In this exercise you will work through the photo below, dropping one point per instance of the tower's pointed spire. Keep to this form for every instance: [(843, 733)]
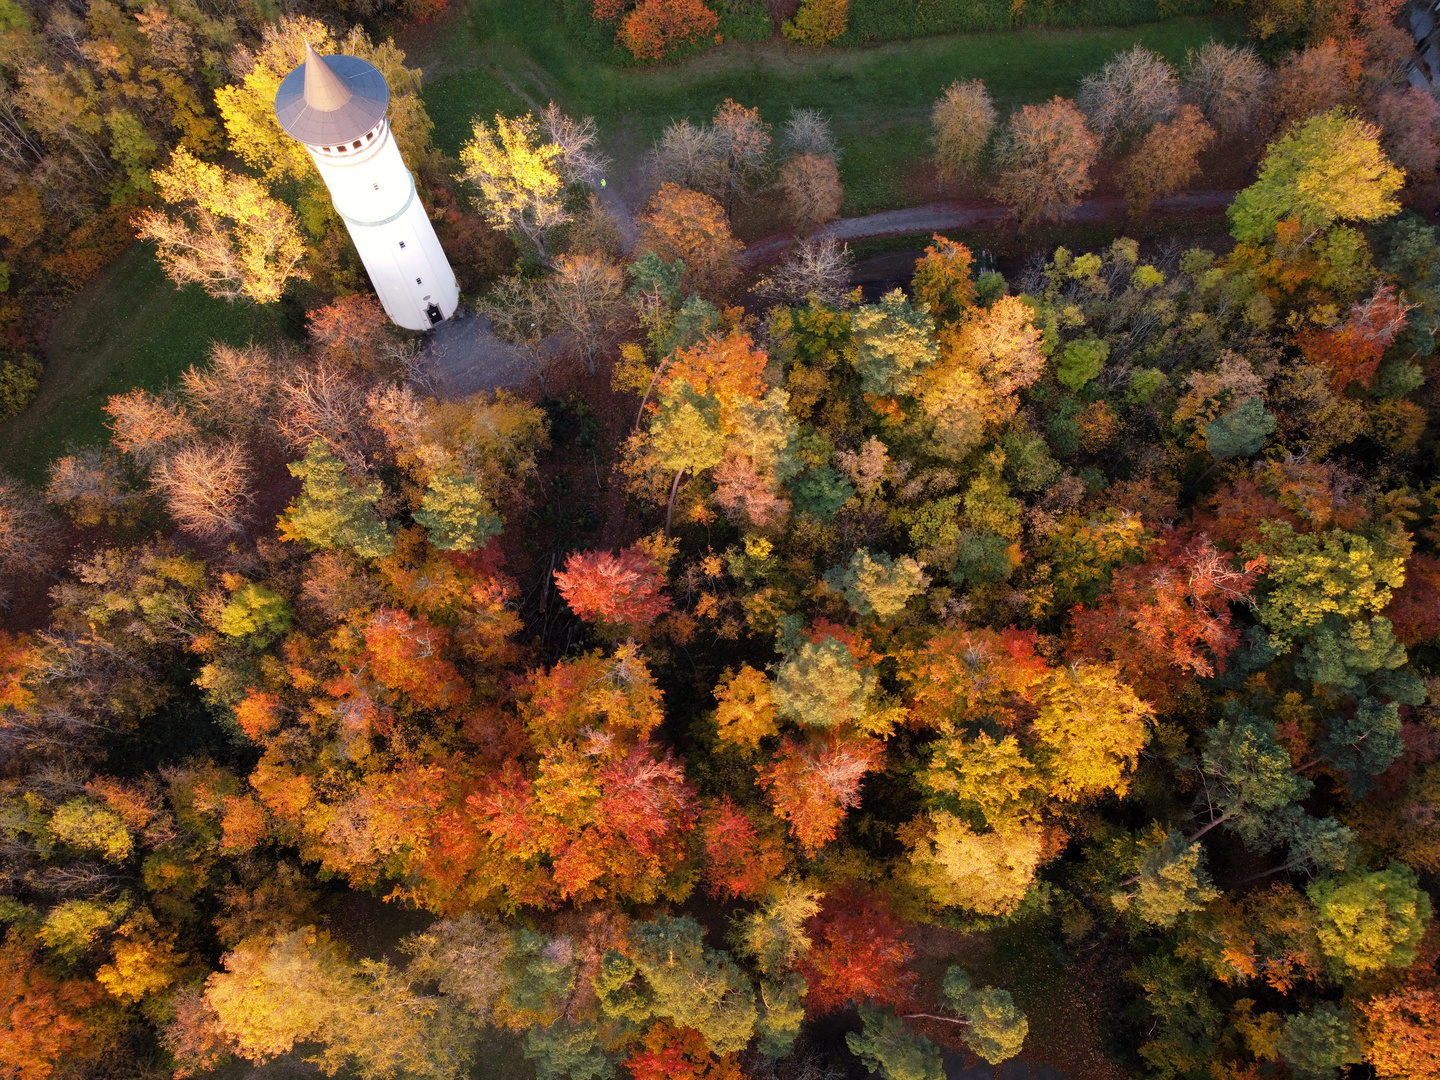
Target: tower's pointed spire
[(325, 91)]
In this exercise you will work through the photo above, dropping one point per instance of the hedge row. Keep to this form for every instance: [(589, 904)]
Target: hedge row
[(892, 20)]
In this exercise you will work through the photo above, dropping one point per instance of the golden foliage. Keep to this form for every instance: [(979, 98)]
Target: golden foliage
[(686, 225), (518, 177), (987, 873), (983, 362), (963, 120), (248, 107), (223, 232), (746, 713)]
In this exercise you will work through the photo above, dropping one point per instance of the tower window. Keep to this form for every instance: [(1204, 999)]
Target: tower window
[(325, 148), (402, 243), (369, 135), (340, 149), (377, 187), (417, 281), (357, 144)]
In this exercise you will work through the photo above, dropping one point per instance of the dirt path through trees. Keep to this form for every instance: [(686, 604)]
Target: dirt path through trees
[(941, 216)]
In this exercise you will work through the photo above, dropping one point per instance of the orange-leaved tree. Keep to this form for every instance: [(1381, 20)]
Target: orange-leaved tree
[(942, 280), (1403, 1033), (657, 28), (686, 225), (812, 782), (620, 588), (1351, 351), (43, 1016), (1044, 160), (406, 655), (1169, 617), (589, 825)]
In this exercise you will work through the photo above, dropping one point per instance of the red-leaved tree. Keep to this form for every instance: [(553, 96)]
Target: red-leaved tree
[(1414, 610), (405, 655), (680, 1053), (811, 784), (1351, 352), (858, 953), (1167, 617), (623, 588), (740, 861)]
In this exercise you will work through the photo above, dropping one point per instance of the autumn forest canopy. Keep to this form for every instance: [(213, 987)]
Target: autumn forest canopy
[(723, 700)]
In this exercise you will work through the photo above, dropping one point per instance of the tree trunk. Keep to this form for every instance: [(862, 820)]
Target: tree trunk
[(670, 506), (538, 359)]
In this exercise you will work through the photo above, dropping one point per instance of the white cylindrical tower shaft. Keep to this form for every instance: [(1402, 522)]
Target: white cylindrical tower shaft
[(336, 106)]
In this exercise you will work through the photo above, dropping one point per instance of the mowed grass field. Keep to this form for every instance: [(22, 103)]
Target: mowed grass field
[(129, 327), (503, 56), (132, 328)]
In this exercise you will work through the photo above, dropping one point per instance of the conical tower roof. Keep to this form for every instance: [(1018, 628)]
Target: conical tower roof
[(331, 100), (325, 91)]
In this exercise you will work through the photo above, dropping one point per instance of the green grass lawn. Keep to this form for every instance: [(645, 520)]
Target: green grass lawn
[(500, 55), (130, 327)]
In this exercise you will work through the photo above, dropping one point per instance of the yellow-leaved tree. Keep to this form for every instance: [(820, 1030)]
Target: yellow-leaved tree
[(248, 107), (518, 178), (1021, 743), (222, 231), (983, 363), (747, 712)]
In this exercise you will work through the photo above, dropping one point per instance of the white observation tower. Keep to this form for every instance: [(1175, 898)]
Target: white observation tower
[(336, 106)]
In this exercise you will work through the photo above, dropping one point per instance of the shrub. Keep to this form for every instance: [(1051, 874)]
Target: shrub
[(1227, 83), (659, 27), (19, 383), (812, 190), (963, 120), (818, 22), (1044, 161), (808, 132)]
